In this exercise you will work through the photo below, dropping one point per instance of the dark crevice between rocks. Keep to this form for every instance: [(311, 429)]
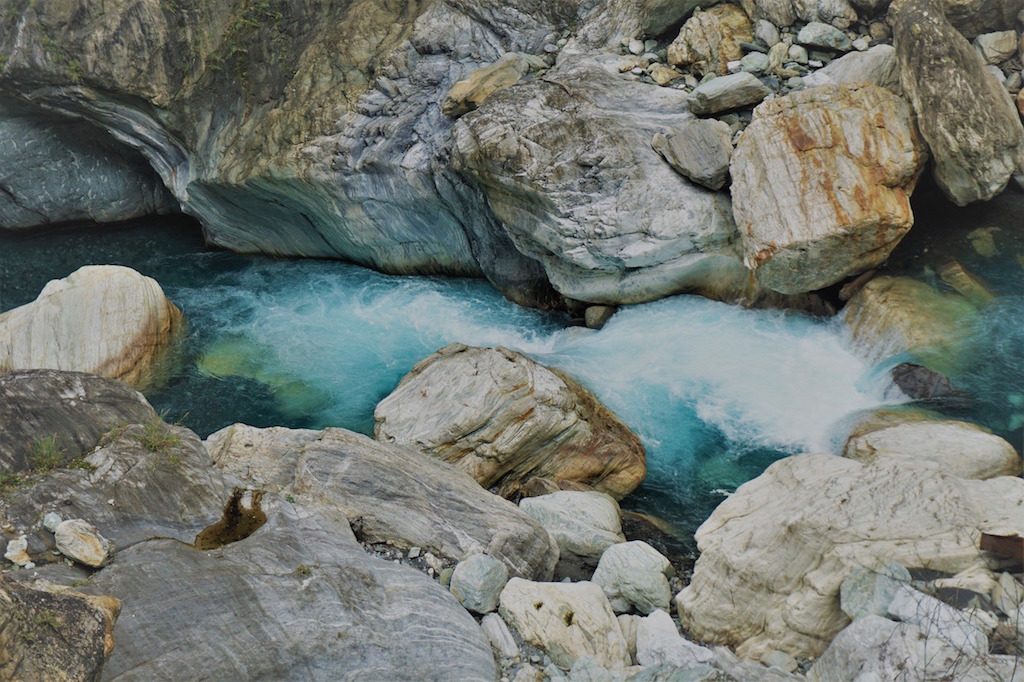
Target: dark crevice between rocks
[(237, 523)]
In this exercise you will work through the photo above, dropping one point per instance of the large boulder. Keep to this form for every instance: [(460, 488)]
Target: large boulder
[(821, 184), (305, 129), (958, 448), (567, 167), (507, 420), (473, 90), (70, 410), (297, 599), (101, 319), (709, 40), (389, 494), (584, 524), (966, 116), (52, 634), (775, 554), (58, 170)]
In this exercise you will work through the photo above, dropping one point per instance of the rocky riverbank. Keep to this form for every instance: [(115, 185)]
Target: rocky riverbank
[(582, 157)]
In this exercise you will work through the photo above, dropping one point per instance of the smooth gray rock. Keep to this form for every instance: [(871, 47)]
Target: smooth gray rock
[(766, 32), (566, 166), (968, 120), (299, 597), (725, 93), (477, 582), (587, 669), (634, 574), (388, 493), (74, 409), (58, 170), (583, 524), (699, 150), (869, 593), (817, 34), (877, 66), (755, 63)]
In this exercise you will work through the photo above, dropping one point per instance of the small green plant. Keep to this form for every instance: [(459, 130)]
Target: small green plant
[(47, 618), (157, 437), (9, 481), (80, 463), (46, 454), (303, 571)]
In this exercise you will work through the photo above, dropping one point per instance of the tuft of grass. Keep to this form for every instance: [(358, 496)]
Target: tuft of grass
[(303, 571), (157, 436), (46, 454)]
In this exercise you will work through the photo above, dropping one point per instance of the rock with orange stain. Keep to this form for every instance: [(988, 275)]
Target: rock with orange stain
[(508, 421), (52, 633), (709, 40), (102, 319), (821, 184)]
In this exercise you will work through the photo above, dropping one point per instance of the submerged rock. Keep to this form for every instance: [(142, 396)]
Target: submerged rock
[(966, 117), (506, 420), (389, 494), (102, 319), (566, 165), (53, 634), (821, 184), (775, 554), (894, 315)]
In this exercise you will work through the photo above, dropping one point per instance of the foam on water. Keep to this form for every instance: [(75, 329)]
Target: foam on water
[(670, 369)]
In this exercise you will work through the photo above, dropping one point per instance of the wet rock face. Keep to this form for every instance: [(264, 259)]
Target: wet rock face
[(965, 115), (50, 635), (821, 184), (73, 409)]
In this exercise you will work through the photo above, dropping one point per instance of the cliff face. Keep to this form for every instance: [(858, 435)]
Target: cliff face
[(308, 128)]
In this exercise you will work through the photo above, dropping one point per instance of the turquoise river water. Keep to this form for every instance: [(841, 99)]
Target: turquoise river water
[(715, 391)]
